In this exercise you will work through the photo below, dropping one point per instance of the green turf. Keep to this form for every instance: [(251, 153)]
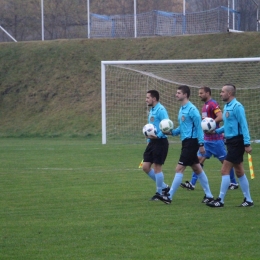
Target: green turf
[(76, 199)]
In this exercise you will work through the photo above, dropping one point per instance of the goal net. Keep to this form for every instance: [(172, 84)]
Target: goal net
[(125, 83)]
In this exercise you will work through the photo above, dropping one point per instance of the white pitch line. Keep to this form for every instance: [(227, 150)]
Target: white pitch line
[(87, 169)]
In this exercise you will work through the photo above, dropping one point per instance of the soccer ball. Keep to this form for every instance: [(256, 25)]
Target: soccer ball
[(149, 129), (166, 125), (208, 124)]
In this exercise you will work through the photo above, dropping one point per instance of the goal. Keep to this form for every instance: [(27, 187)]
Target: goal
[(124, 85)]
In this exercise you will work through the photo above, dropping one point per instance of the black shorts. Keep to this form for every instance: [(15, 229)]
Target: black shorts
[(156, 151), (189, 151), (235, 149)]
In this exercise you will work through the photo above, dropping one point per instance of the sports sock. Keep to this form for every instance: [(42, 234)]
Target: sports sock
[(232, 176), (175, 183), (224, 187), (164, 185), (159, 182), (244, 184), (151, 174), (194, 177), (203, 179)]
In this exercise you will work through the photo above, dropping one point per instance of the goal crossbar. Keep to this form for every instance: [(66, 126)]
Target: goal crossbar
[(129, 62), (154, 73)]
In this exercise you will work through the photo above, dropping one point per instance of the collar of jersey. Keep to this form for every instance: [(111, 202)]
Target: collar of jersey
[(156, 105), (231, 102), (184, 106)]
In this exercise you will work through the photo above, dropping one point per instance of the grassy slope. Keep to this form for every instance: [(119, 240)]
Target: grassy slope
[(52, 88)]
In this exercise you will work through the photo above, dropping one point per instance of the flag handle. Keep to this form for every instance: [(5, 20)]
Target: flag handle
[(141, 164), (251, 168)]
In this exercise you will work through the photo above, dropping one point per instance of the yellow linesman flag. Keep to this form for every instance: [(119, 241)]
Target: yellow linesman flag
[(251, 168), (141, 164)]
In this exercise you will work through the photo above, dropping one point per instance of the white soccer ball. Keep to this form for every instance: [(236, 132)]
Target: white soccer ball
[(208, 124), (149, 129), (166, 125)]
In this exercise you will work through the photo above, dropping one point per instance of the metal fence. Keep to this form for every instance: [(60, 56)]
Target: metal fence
[(160, 23), (145, 24)]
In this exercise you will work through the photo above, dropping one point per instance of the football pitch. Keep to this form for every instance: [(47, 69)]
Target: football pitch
[(79, 199)]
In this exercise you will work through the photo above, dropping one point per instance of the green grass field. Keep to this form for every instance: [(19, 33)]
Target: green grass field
[(78, 199)]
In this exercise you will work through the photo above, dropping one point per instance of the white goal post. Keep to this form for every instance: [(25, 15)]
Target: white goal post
[(124, 85)]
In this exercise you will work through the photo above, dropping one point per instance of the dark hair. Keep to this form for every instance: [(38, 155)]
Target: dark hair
[(231, 88), (185, 90), (206, 89), (154, 93)]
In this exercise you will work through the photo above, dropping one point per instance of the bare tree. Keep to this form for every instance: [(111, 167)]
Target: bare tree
[(19, 18), (64, 18)]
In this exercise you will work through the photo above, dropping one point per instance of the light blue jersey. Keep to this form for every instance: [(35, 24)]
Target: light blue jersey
[(235, 123), (156, 115), (189, 123)]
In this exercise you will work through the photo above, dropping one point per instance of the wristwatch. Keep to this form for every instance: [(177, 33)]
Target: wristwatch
[(201, 144)]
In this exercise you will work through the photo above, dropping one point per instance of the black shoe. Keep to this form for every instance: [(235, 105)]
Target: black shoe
[(165, 191), (215, 203), (246, 203), (207, 200), (164, 199), (154, 198), (187, 185), (233, 186)]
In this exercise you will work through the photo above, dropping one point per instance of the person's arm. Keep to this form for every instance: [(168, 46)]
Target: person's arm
[(197, 123), (219, 130), (218, 118), (163, 114), (241, 118), (194, 114), (175, 131)]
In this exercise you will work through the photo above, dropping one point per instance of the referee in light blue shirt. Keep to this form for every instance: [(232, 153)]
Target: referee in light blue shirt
[(157, 148), (192, 139), (237, 138)]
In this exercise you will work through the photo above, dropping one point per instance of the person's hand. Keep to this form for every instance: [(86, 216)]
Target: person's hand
[(209, 131), (248, 149), (202, 150), (168, 133), (152, 137)]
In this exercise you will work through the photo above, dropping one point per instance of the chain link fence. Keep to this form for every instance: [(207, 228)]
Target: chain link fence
[(21, 19)]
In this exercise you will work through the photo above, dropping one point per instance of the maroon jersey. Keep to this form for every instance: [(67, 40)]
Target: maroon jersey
[(210, 109)]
